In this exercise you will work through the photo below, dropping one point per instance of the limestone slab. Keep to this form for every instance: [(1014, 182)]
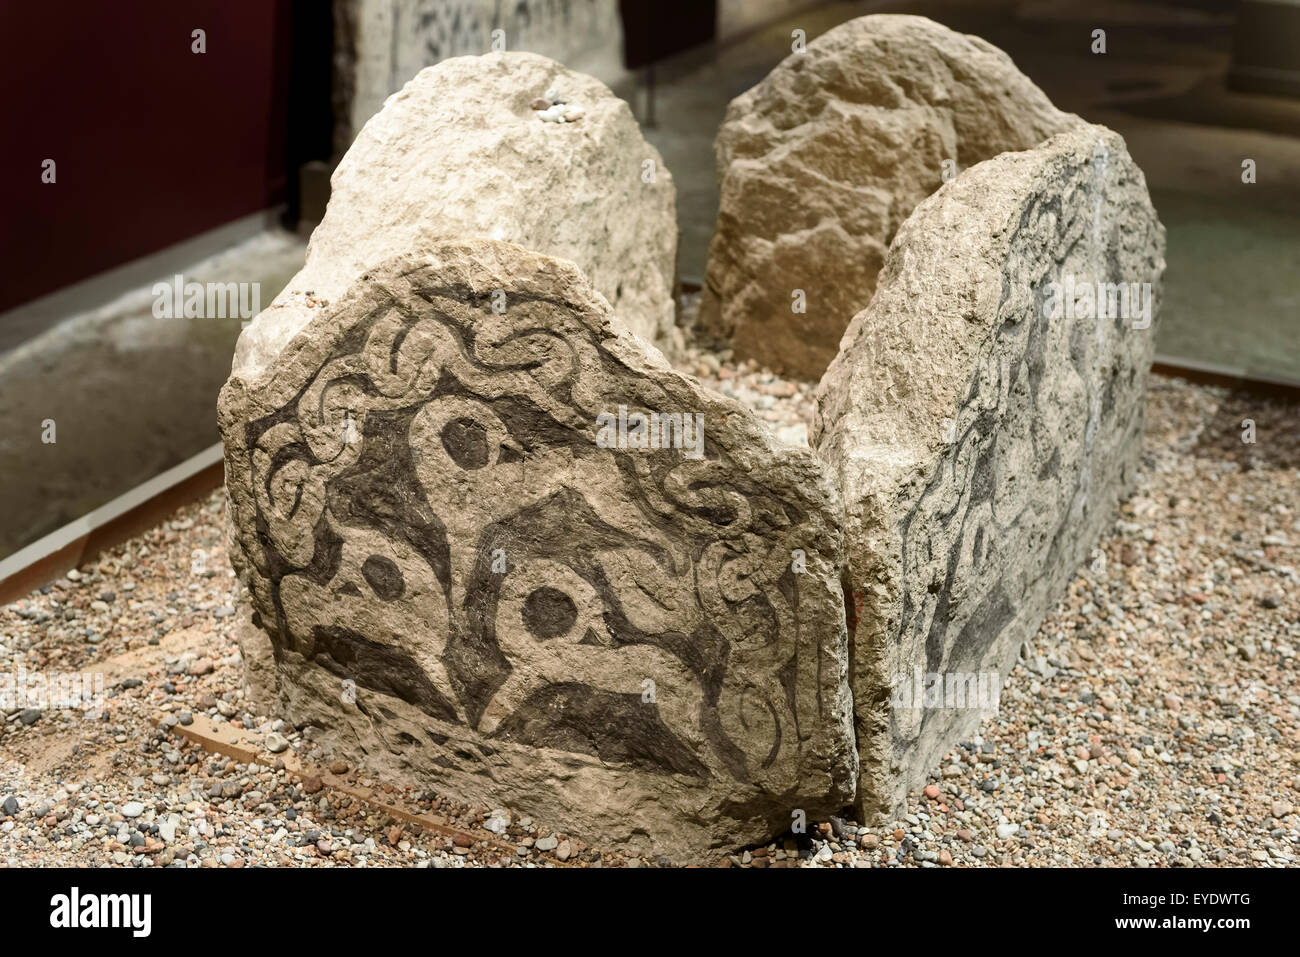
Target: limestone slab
[(460, 151), (820, 163), (468, 577), (983, 419)]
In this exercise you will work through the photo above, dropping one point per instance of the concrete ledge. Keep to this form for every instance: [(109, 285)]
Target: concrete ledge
[(24, 322), (111, 524)]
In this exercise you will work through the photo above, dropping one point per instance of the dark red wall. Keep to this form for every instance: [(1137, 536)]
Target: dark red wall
[(154, 144), (656, 29)]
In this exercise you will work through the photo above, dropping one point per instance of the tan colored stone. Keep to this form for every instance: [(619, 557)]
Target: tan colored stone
[(460, 152), (462, 583), (981, 440), (259, 677), (821, 162)]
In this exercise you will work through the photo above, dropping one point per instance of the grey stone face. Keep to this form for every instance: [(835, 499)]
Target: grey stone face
[(822, 161), (641, 646), (984, 417)]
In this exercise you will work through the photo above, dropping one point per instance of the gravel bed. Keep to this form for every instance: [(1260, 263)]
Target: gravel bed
[(1151, 722)]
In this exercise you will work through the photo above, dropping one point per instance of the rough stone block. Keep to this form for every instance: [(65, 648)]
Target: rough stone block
[(260, 684), (821, 162), (467, 575), (461, 152), (983, 418)]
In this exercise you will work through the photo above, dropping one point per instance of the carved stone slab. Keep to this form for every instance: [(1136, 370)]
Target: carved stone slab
[(470, 570), (984, 417)]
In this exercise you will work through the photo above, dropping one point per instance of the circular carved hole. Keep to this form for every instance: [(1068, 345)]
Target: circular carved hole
[(466, 442), (549, 613), (382, 575)]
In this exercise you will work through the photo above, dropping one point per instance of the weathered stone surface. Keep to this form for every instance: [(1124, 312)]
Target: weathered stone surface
[(261, 687), (459, 152), (460, 582), (823, 160), (380, 44), (982, 441)]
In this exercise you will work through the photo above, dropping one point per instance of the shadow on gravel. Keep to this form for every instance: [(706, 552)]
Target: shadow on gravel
[(1276, 433)]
